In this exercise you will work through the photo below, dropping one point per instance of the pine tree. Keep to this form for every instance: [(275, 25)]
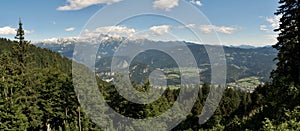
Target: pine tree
[(20, 51), (288, 70), (20, 33)]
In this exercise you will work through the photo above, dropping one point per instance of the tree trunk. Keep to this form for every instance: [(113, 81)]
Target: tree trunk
[(66, 112), (79, 121), (48, 127), (11, 91), (5, 93)]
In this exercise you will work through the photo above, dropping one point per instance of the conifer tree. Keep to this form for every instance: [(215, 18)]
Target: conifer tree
[(288, 66), (20, 33), (20, 51)]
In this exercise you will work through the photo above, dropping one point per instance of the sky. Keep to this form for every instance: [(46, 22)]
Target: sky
[(234, 22)]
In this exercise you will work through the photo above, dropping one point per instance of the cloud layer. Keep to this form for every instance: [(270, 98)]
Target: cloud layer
[(196, 2), (113, 31), (156, 33), (273, 23), (80, 4), (220, 29), (70, 29), (160, 30), (263, 28), (165, 4), (7, 30)]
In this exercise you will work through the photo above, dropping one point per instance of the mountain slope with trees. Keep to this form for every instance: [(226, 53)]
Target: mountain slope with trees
[(241, 63), (37, 91)]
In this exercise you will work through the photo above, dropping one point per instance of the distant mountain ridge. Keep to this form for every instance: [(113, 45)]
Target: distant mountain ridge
[(244, 46), (242, 62)]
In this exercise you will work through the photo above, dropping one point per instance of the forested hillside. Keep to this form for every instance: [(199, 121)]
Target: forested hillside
[(38, 94), (36, 91)]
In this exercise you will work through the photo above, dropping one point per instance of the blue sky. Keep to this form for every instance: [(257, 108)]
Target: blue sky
[(237, 22)]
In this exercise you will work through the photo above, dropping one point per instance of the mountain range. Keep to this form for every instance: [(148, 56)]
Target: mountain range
[(242, 62)]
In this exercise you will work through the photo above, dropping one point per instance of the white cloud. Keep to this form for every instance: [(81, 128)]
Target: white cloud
[(28, 32), (7, 30), (220, 29), (70, 29), (274, 21), (187, 26), (165, 4), (160, 30), (190, 26), (263, 28), (196, 2), (113, 31), (80, 4)]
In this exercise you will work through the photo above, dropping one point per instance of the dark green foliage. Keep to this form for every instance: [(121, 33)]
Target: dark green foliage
[(284, 90), (42, 96), (36, 90), (288, 70), (272, 103)]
